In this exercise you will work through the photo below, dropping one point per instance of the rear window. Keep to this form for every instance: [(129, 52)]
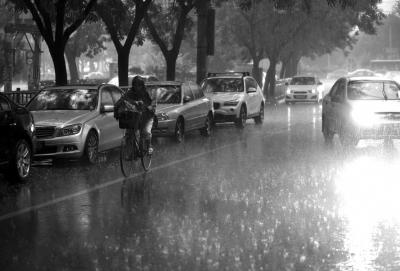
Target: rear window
[(357, 90)]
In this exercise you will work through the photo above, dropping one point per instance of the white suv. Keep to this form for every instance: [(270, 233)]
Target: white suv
[(236, 97)]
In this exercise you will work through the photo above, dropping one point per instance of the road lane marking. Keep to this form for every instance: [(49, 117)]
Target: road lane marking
[(121, 179)]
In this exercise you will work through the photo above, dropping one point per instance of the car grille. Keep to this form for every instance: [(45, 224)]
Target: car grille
[(300, 92), (216, 105), (45, 131)]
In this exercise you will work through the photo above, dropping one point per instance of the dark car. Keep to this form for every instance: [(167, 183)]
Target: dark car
[(16, 139)]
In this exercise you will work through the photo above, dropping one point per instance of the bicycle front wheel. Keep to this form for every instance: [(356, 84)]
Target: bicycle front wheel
[(146, 159), (126, 157)]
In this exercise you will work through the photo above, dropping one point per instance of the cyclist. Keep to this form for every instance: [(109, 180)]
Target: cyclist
[(138, 95)]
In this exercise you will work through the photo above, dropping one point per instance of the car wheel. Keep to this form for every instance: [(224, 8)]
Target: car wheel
[(179, 131), (260, 118), (92, 147), (241, 120), (20, 164), (328, 135), (206, 130)]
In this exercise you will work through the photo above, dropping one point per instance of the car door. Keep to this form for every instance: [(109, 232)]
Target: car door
[(188, 107), (118, 133), (7, 125), (106, 122), (201, 105), (252, 97)]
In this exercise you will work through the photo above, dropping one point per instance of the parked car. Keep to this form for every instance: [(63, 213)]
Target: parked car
[(361, 108), (236, 97), (16, 139), (181, 107), (361, 73), (146, 78), (304, 89), (76, 121)]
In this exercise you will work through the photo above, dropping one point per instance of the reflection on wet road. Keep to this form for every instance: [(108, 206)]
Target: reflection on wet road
[(266, 198)]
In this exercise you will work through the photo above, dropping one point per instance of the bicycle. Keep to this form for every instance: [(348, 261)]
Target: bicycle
[(131, 148)]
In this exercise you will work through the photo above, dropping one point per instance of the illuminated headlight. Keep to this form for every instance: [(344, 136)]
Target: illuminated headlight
[(313, 91), (162, 116), (288, 91), (70, 130), (231, 103), (32, 128), (364, 117)]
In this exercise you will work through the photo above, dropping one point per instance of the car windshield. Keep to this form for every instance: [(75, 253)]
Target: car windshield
[(65, 99), (214, 85), (373, 91), (165, 94), (303, 81)]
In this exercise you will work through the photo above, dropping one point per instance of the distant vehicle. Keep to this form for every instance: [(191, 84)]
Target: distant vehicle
[(236, 97), (361, 73), (146, 78), (304, 89), (94, 75), (17, 139), (76, 121), (181, 107), (361, 108), (385, 64), (336, 74)]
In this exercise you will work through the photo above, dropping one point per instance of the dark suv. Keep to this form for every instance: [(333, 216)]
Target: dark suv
[(16, 139)]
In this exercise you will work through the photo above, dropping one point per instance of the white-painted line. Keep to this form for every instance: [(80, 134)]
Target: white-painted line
[(109, 183)]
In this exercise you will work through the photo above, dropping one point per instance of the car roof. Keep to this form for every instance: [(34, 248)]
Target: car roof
[(302, 76), (368, 78)]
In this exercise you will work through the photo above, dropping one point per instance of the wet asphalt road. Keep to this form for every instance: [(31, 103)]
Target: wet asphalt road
[(271, 197)]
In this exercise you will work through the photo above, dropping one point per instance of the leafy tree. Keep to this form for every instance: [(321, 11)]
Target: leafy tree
[(168, 28), (57, 20), (89, 39), (123, 22)]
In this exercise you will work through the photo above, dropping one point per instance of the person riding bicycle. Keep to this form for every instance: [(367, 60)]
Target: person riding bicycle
[(138, 95)]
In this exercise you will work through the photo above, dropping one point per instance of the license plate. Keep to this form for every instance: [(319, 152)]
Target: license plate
[(300, 96)]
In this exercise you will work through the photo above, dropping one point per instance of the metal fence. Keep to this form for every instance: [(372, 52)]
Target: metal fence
[(21, 97)]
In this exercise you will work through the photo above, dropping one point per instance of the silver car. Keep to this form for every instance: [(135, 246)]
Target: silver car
[(181, 107), (76, 121)]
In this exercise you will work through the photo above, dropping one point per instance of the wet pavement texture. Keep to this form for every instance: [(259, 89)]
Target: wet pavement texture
[(270, 197)]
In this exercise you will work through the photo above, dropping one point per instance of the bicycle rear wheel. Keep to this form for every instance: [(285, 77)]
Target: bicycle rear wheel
[(145, 157), (126, 156)]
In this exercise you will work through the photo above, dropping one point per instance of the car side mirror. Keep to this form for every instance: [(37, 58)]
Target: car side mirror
[(106, 108), (287, 84), (187, 99), (251, 90)]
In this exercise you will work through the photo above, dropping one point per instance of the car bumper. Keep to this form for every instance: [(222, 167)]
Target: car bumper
[(223, 113), (380, 131), (60, 147), (302, 98), (164, 128)]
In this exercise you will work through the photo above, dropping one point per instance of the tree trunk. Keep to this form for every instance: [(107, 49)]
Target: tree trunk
[(57, 55), (256, 71), (202, 43), (170, 60), (123, 66), (292, 66), (282, 74), (72, 65), (269, 86)]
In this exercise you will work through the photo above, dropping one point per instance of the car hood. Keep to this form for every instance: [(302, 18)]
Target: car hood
[(302, 87), (165, 108), (381, 106), (61, 118), (222, 97)]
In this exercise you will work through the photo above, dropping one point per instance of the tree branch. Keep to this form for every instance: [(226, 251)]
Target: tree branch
[(155, 35), (71, 29)]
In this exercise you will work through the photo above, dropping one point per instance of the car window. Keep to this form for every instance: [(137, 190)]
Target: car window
[(215, 85), (197, 92), (364, 90), (4, 105), (339, 94), (106, 98), (115, 93), (302, 81), (250, 83), (188, 93)]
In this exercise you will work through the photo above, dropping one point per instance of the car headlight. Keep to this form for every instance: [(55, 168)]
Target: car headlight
[(69, 130), (32, 128), (288, 91), (313, 91), (162, 116), (231, 103), (364, 117)]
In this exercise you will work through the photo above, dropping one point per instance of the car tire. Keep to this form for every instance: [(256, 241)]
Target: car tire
[(206, 130), (260, 118), (21, 161), (241, 120), (179, 130), (328, 134), (92, 147)]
